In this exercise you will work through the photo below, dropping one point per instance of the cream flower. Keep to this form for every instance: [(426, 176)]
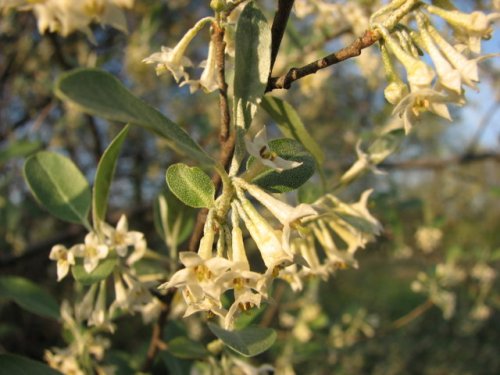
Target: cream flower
[(65, 259), (288, 216), (259, 148), (120, 238), (419, 75), (208, 79), (472, 27), (198, 282), (448, 76), (92, 251), (173, 59), (268, 240), (424, 100)]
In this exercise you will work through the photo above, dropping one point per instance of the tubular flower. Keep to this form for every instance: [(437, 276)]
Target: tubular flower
[(173, 59), (267, 239)]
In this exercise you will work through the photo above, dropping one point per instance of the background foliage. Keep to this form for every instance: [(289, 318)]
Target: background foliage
[(438, 201)]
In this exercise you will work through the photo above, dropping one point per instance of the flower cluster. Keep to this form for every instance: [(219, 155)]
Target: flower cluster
[(66, 17), (430, 89), (85, 351), (98, 246), (130, 293), (288, 244)]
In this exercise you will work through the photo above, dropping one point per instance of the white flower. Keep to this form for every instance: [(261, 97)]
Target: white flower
[(65, 259), (92, 251), (410, 107), (365, 161), (120, 238), (419, 75), (208, 79), (198, 281), (245, 301), (472, 27), (288, 216), (173, 59), (266, 238), (259, 149), (448, 76)]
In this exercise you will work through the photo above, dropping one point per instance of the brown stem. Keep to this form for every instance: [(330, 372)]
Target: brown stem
[(278, 28), (412, 315), (157, 343), (353, 50), (226, 137)]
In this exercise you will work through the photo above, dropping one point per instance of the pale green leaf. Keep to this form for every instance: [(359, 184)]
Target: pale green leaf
[(19, 148), (249, 342), (173, 220), (288, 179), (291, 125), (252, 63), (11, 364), (99, 93), (102, 271), (191, 185), (29, 296), (59, 186), (104, 176), (182, 347)]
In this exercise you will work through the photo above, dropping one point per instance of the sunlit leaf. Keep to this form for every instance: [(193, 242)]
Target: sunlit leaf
[(99, 93), (59, 186), (289, 179), (29, 296), (104, 176), (291, 125), (252, 62), (249, 342), (191, 185)]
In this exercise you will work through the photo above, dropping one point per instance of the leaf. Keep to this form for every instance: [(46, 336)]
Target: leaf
[(191, 185), (182, 347), (99, 93), (29, 296), (59, 186), (288, 179), (104, 176), (17, 365), (19, 148), (291, 125), (252, 63), (102, 271), (248, 342), (172, 218), (174, 365)]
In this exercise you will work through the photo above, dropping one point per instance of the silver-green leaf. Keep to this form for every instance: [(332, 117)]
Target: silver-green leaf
[(191, 185), (59, 186), (252, 63), (104, 176), (249, 342), (99, 93)]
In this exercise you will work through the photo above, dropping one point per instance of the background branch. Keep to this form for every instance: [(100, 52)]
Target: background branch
[(353, 50)]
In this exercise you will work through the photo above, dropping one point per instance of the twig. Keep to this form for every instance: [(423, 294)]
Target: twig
[(278, 28), (226, 137), (440, 164), (156, 344), (412, 315), (353, 50)]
